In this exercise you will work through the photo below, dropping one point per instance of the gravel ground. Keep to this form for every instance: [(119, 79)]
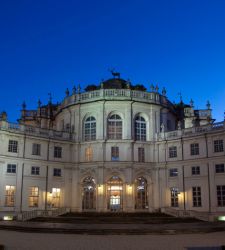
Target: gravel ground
[(27, 241)]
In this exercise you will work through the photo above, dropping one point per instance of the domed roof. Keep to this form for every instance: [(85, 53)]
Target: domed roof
[(115, 83)]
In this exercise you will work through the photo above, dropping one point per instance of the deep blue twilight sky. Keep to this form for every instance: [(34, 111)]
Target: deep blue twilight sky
[(45, 46)]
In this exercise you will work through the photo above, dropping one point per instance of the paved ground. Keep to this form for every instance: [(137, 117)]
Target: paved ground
[(39, 241)]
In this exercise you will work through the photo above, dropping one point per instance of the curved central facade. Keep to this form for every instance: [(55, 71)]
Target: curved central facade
[(114, 147)]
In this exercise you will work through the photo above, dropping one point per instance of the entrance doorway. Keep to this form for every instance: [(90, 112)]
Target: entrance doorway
[(115, 194)]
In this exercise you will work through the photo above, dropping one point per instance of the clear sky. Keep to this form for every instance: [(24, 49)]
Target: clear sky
[(47, 46)]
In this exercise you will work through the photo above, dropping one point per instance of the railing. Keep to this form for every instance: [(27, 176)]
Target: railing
[(204, 216), (35, 131), (28, 215), (126, 94), (191, 131)]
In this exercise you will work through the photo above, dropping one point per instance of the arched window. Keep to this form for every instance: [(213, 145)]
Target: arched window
[(115, 194), (140, 129), (89, 193), (90, 129), (115, 127), (141, 194)]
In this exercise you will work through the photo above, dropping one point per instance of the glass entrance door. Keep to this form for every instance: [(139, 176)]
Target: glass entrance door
[(115, 194)]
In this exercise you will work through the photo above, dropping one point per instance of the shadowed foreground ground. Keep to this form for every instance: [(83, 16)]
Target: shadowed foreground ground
[(20, 240)]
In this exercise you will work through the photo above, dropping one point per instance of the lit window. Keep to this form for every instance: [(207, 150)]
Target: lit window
[(219, 168), (11, 168), (115, 153), (141, 154), (115, 127), (58, 152), (172, 152), (56, 192), (220, 195), (218, 146), (36, 149), (174, 196), (13, 146), (90, 129), (89, 154), (141, 193), (195, 170), (35, 170), (173, 172), (33, 196), (194, 147), (196, 196), (10, 196), (140, 129), (57, 172)]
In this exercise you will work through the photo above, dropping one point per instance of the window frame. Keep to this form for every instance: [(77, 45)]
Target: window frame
[(141, 154), (115, 154), (35, 170), (173, 172), (11, 168), (172, 151), (196, 196), (57, 172), (220, 194), (36, 149), (218, 146), (57, 152), (115, 127), (194, 149), (195, 170), (140, 128), (219, 168), (13, 146), (89, 129)]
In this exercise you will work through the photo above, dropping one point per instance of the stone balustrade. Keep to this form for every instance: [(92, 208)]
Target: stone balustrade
[(115, 94), (191, 131), (35, 131)]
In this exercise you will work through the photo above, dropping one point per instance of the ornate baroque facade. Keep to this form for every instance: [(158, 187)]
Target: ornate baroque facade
[(115, 147)]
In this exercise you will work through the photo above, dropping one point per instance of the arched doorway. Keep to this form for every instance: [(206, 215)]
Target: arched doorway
[(89, 194), (141, 193), (115, 194)]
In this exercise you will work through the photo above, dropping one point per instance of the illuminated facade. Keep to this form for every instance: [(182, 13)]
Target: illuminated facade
[(116, 147)]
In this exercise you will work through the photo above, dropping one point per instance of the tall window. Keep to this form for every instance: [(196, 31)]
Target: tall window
[(114, 153), (220, 195), (218, 146), (219, 168), (56, 192), (173, 172), (195, 170), (194, 147), (90, 129), (33, 196), (11, 168), (36, 149), (115, 127), (35, 170), (89, 154), (174, 197), (172, 152), (196, 196), (10, 196), (141, 154), (141, 195), (89, 193), (13, 146), (57, 172), (58, 152), (140, 129)]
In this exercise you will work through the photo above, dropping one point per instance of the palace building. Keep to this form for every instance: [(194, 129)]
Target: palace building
[(113, 147)]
